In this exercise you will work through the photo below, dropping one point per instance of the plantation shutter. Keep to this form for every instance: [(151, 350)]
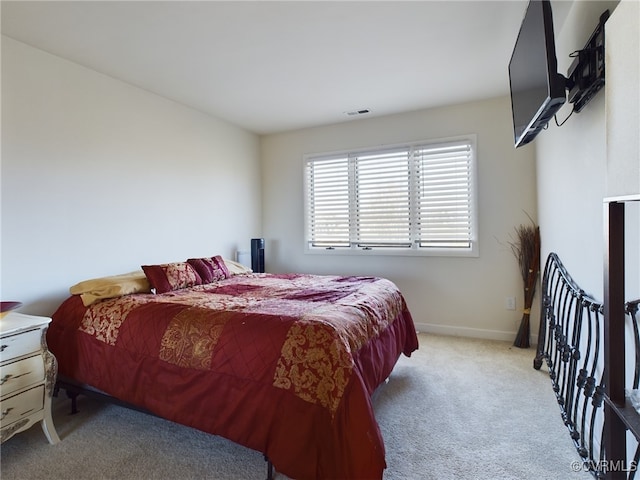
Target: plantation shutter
[(444, 195), (382, 199), (328, 201), (414, 197)]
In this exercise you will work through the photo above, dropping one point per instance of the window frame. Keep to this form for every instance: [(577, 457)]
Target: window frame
[(414, 249)]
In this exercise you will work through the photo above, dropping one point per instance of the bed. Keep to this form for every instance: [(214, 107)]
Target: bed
[(284, 364)]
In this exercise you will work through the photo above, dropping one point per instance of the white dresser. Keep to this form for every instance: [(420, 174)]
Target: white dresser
[(27, 375)]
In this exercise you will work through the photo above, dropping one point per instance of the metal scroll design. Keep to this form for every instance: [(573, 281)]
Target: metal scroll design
[(632, 308), (571, 342)]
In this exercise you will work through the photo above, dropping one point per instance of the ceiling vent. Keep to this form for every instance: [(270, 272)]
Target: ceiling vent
[(354, 113)]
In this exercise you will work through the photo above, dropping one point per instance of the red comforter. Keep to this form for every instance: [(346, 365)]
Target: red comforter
[(283, 364)]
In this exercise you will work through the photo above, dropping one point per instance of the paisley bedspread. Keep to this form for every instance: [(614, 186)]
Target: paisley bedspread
[(282, 364)]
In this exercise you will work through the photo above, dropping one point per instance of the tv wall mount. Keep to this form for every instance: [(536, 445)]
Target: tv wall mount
[(586, 73)]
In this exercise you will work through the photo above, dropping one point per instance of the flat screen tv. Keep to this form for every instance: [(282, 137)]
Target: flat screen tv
[(537, 89)]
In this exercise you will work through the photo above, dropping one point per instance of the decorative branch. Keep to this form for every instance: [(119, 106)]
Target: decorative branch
[(526, 249)]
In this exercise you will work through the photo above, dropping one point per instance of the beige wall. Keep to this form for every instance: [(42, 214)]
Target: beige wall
[(99, 177), (622, 89), (450, 295), (584, 161)]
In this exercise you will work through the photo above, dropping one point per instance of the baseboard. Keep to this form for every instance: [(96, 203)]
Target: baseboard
[(471, 332)]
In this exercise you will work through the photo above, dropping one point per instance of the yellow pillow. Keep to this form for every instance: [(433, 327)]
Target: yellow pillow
[(110, 287), (236, 268)]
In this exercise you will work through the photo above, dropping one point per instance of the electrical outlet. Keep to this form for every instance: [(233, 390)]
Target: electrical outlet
[(510, 303)]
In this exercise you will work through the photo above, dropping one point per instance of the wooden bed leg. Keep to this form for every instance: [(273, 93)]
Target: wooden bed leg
[(269, 468)]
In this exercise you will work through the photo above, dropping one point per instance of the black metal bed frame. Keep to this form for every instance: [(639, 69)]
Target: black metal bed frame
[(571, 341)]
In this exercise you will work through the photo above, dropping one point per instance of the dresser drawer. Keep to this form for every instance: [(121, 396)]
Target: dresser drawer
[(22, 405), (20, 344), (20, 374)]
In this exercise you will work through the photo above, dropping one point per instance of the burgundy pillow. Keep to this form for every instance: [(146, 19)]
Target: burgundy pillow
[(210, 269), (171, 276)]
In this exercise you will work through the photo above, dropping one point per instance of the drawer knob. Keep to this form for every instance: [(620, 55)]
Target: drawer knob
[(2, 347), (5, 412)]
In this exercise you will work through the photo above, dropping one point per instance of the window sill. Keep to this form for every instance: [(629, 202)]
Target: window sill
[(401, 252)]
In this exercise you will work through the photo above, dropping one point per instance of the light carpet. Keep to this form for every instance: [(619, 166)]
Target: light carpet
[(459, 408)]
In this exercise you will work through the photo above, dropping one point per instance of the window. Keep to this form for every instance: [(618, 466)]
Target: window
[(408, 199)]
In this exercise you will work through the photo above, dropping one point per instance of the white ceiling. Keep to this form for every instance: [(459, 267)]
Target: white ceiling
[(273, 66)]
